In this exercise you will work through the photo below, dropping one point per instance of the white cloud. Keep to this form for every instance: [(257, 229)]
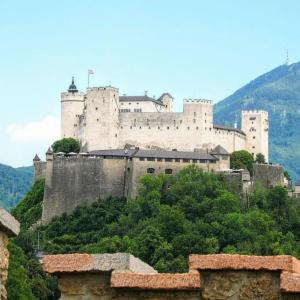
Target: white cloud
[(45, 130)]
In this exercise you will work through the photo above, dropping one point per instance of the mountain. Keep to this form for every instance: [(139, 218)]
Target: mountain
[(278, 92), (14, 183)]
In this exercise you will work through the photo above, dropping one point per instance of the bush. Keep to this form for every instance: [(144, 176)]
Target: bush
[(66, 145)]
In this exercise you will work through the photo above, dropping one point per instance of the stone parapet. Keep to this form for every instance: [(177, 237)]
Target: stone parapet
[(163, 281), (69, 263), (211, 277), (9, 226), (8, 223)]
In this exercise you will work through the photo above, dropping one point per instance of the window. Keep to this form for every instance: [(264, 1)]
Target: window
[(186, 160), (225, 157), (212, 162), (168, 171), (177, 159), (253, 137), (159, 159), (124, 110), (150, 159), (252, 118), (137, 110), (195, 161), (97, 120), (168, 159), (96, 108), (142, 158), (150, 170), (168, 127), (202, 161), (253, 147)]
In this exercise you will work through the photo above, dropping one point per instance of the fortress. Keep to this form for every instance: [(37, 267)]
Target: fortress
[(101, 119), (125, 137)]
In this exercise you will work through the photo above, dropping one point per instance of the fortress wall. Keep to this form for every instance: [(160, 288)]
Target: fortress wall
[(268, 175), (39, 170), (179, 131), (71, 182), (139, 168)]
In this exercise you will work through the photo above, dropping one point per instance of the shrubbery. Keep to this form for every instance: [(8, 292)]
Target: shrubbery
[(173, 216)]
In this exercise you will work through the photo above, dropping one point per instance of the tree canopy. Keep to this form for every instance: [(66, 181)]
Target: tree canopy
[(66, 145), (241, 159), (260, 158), (173, 216)]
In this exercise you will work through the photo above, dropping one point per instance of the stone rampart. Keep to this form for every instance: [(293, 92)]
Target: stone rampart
[(75, 181), (211, 277), (268, 175)]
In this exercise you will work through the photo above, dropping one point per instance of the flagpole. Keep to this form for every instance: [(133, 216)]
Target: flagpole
[(88, 79)]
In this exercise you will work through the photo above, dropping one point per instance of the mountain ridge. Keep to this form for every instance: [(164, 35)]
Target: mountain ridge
[(14, 183), (278, 92)]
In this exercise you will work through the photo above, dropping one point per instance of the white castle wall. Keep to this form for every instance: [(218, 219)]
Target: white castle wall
[(255, 124), (97, 121), (100, 124), (144, 106), (72, 105)]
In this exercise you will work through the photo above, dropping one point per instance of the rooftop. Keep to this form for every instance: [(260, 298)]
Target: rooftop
[(139, 99), (155, 154)]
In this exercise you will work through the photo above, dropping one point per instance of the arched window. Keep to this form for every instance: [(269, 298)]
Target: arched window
[(150, 170), (168, 171)]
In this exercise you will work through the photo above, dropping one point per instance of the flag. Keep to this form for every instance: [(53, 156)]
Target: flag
[(91, 72)]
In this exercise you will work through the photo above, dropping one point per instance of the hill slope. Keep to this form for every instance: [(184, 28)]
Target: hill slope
[(278, 92), (14, 183)]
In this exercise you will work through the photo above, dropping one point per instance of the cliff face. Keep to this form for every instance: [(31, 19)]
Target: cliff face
[(278, 92)]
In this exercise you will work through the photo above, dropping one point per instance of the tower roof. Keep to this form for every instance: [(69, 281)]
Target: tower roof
[(36, 158), (49, 151), (219, 150), (72, 87)]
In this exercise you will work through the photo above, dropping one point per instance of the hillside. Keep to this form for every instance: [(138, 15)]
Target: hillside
[(173, 216), (14, 183), (278, 92)]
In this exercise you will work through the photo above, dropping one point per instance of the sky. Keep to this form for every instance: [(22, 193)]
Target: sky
[(189, 48)]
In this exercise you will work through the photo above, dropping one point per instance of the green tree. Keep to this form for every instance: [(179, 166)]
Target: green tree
[(241, 159), (66, 145), (260, 158)]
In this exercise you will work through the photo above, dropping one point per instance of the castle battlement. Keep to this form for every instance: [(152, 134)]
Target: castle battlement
[(248, 112), (103, 88), (200, 101)]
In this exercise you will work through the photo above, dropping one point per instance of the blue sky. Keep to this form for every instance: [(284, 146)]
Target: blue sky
[(192, 49)]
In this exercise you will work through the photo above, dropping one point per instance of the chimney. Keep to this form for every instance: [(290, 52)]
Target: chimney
[(146, 92)]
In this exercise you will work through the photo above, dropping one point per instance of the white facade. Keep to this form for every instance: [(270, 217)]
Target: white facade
[(101, 119)]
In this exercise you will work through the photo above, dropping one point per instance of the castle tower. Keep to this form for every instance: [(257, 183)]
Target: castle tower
[(199, 111), (255, 123), (168, 102), (101, 119), (72, 104)]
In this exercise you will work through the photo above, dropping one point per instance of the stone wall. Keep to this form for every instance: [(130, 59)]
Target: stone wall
[(8, 227), (268, 175), (75, 181), (39, 170), (211, 277)]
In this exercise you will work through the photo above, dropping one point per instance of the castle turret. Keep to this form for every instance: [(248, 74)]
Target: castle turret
[(168, 102), (255, 123), (101, 119), (39, 168), (72, 104)]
